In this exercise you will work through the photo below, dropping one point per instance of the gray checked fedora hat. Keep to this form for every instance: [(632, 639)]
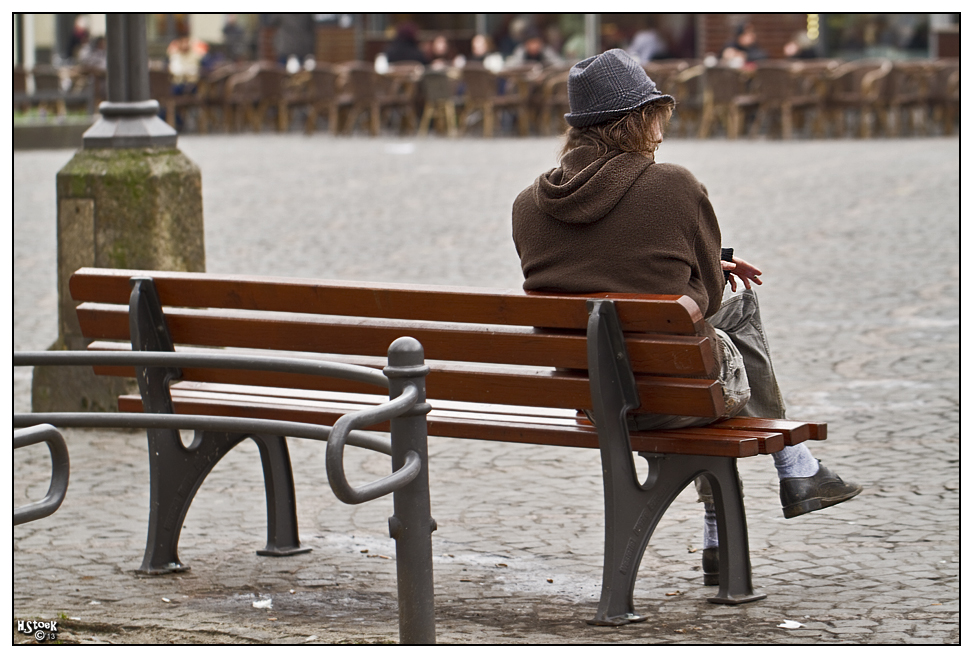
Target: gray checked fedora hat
[(606, 87)]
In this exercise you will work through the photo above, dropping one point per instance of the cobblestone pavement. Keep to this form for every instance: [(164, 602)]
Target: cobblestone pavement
[(859, 242)]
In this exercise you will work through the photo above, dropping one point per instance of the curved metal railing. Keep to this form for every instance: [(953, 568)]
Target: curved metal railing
[(350, 435), (188, 359), (341, 434), (411, 525), (60, 471)]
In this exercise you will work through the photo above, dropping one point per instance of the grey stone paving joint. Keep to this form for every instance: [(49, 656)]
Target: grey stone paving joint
[(860, 341)]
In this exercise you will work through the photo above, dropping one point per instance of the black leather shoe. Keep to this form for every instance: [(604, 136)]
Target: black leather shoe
[(823, 489), (711, 566)]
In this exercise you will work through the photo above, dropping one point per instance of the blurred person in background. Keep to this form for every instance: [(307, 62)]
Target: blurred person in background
[(482, 52), (743, 50), (509, 34), (405, 46), (480, 47), (647, 44), (80, 37), (235, 39), (554, 37), (800, 47), (612, 37), (94, 54), (294, 39), (185, 55), (534, 49), (441, 54)]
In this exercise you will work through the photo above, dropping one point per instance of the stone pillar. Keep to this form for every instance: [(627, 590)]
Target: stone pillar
[(129, 199)]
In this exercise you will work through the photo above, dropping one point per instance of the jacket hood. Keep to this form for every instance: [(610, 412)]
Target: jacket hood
[(586, 187)]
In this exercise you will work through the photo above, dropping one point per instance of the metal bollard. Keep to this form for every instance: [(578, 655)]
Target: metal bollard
[(412, 525)]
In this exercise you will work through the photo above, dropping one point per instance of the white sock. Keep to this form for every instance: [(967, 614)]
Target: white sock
[(710, 534), (791, 462), (795, 462)]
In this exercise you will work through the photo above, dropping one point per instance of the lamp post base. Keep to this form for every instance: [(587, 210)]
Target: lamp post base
[(129, 125)]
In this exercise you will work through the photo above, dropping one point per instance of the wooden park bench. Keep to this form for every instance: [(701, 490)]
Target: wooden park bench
[(504, 366)]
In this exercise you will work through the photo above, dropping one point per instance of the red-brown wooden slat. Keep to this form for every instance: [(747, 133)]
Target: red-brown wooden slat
[(702, 442), (483, 401), (689, 397), (643, 313), (687, 356), (767, 442), (311, 398), (819, 431), (794, 431), (553, 391)]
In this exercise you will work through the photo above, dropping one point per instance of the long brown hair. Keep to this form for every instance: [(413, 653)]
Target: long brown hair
[(639, 131)]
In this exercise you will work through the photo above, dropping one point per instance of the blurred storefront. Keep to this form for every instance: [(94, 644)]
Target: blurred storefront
[(692, 35), (892, 36), (54, 38)]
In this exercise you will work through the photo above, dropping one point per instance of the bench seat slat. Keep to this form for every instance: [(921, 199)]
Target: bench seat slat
[(723, 443), (330, 397), (686, 356), (646, 313), (767, 442), (773, 435), (794, 431)]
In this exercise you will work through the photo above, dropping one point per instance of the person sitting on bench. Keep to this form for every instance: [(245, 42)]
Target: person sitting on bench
[(611, 219)]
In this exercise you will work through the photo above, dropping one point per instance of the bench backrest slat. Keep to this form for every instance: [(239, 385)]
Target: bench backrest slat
[(542, 388), (663, 355), (663, 313), (467, 329)]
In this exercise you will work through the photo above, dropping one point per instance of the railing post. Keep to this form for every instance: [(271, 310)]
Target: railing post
[(412, 525)]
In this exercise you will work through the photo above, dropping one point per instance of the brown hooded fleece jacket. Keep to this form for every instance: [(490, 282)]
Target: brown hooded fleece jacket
[(620, 223)]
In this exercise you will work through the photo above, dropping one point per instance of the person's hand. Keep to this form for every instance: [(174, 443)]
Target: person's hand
[(744, 270)]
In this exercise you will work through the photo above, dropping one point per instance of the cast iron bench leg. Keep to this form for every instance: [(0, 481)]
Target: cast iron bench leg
[(282, 535), (633, 511), (176, 472), (631, 515), (736, 585), (171, 494)]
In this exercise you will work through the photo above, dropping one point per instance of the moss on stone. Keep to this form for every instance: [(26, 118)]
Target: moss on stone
[(146, 212), (148, 206)]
